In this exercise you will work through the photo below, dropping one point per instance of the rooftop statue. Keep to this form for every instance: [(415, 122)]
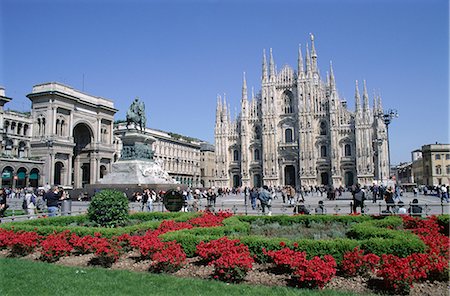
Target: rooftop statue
[(136, 114)]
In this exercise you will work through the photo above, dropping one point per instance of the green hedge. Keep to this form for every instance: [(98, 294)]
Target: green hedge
[(285, 220), (378, 236), (49, 225)]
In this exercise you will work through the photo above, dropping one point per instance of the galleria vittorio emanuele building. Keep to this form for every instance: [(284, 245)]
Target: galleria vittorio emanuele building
[(298, 129)]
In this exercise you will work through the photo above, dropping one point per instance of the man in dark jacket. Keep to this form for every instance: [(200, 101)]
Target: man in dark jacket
[(52, 197), (389, 198), (266, 199), (358, 198), (3, 205)]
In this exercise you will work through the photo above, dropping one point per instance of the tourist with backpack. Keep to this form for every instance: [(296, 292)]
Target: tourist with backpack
[(29, 203)]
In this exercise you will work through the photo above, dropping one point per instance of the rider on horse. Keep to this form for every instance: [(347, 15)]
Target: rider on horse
[(136, 114)]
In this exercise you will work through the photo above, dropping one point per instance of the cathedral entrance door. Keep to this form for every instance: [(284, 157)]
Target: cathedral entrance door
[(289, 175), (348, 179), (257, 180), (236, 181), (324, 178)]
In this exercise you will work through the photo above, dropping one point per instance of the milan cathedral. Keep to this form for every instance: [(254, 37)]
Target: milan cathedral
[(298, 131)]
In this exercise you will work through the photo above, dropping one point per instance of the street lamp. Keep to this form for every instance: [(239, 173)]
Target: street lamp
[(378, 143), (387, 118), (299, 168)]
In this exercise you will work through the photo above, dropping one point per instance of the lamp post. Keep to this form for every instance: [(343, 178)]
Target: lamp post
[(299, 168), (378, 142), (387, 118)]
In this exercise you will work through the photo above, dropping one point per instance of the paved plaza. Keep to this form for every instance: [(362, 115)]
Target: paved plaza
[(236, 203)]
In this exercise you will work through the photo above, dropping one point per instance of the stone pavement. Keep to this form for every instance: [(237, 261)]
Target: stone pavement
[(431, 204)]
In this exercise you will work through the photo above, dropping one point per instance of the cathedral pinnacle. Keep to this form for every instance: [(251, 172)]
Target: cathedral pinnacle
[(313, 55), (300, 61), (332, 81), (264, 67), (271, 66), (357, 98), (308, 61), (244, 88), (365, 97)]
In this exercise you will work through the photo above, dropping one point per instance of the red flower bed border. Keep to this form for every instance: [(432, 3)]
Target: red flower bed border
[(232, 260)]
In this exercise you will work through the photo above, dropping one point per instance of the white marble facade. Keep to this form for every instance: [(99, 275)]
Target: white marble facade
[(298, 109)]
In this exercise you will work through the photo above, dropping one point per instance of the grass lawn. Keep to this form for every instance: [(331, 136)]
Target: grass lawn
[(24, 277)]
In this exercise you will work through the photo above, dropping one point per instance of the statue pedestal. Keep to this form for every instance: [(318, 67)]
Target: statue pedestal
[(137, 172), (136, 169)]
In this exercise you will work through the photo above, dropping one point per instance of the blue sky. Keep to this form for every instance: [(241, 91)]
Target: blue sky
[(178, 55)]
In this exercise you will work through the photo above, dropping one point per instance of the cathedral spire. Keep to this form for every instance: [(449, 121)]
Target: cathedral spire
[(244, 88), (332, 81), (271, 67), (365, 97), (313, 54), (224, 105), (300, 69), (357, 98), (264, 67), (380, 105), (218, 109), (308, 61)]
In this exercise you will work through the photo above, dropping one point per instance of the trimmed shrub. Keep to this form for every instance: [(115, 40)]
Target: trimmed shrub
[(444, 222), (108, 208)]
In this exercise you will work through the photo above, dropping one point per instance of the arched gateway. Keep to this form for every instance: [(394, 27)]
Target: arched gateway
[(77, 141)]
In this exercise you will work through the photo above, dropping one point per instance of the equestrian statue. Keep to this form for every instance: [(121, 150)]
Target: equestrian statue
[(136, 114)]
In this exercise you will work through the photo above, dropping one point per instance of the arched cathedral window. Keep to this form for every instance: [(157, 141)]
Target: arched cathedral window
[(235, 155), (323, 151), (347, 150), (323, 129), (288, 135), (288, 104), (257, 133), (256, 155)]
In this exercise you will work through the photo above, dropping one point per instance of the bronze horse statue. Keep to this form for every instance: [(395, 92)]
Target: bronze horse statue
[(136, 114)]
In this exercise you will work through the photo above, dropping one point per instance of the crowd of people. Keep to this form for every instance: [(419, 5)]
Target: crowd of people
[(42, 200), (48, 199)]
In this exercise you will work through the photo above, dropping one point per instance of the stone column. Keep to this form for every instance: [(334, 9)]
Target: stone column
[(69, 170)]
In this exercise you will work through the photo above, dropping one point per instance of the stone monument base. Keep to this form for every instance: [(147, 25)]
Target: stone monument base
[(137, 172)]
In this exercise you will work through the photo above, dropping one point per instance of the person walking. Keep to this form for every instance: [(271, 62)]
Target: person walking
[(265, 198), (30, 200), (3, 204), (444, 193), (358, 198), (52, 198), (253, 197), (389, 198)]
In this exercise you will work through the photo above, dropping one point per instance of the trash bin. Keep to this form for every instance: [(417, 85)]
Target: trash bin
[(66, 207)]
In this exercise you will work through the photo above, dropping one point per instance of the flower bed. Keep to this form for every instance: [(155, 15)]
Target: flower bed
[(305, 263)]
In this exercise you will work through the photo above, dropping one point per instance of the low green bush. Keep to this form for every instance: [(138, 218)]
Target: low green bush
[(108, 208), (401, 247), (305, 219)]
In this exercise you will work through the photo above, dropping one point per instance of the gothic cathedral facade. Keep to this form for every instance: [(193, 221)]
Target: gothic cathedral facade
[(298, 131)]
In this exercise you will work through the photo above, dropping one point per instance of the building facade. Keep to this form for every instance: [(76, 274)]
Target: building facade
[(436, 164), (69, 139), (17, 166), (207, 165), (73, 133), (298, 128)]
